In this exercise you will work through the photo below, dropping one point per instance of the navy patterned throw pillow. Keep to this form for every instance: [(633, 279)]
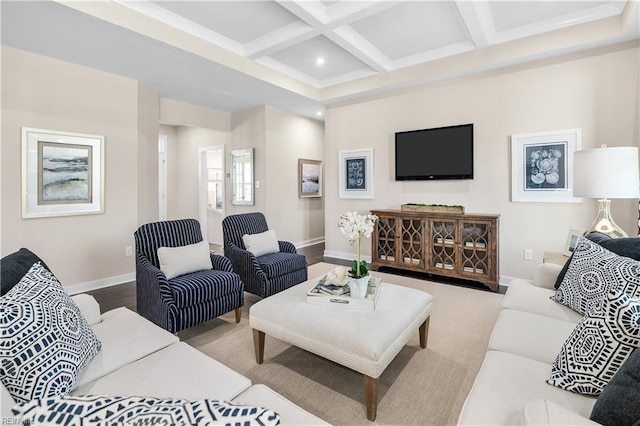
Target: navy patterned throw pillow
[(592, 273), (136, 410), (46, 341), (598, 346)]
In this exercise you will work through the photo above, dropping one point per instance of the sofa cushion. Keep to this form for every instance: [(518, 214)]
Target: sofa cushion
[(627, 247), (170, 373), (542, 412), (529, 335), (261, 243), (618, 404), (598, 346), (504, 385), (142, 338), (276, 264), (594, 271), (14, 266), (204, 286), (525, 296), (46, 341), (133, 410), (176, 261)]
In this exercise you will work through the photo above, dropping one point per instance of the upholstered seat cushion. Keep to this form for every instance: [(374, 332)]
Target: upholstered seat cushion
[(276, 264), (203, 286)]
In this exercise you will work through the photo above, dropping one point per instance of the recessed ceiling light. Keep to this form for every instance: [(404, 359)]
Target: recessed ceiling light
[(320, 61), (319, 113)]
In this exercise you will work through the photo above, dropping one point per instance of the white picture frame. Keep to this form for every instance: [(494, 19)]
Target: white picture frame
[(309, 178), (572, 241), (356, 173), (62, 173), (542, 166)]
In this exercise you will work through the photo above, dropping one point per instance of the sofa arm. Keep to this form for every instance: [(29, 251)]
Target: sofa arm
[(89, 308), (287, 247), (546, 275), (221, 263), (543, 412)]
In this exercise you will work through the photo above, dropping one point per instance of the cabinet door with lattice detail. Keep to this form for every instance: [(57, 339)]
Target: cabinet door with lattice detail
[(475, 244), (385, 243), (443, 256), (411, 243)]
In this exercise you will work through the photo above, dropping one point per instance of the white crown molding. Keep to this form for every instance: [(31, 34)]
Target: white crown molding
[(288, 71)]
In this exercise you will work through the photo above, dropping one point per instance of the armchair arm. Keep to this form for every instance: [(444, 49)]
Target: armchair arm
[(246, 265), (153, 294), (287, 247), (221, 263)]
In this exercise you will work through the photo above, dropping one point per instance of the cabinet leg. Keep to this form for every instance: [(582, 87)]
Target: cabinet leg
[(423, 331)]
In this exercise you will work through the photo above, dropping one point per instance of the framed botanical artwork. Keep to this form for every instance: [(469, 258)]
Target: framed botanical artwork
[(572, 241), (356, 173), (62, 173), (309, 178), (542, 166)]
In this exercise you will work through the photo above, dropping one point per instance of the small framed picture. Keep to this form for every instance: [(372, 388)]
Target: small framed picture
[(542, 166), (309, 178), (572, 241), (356, 173)]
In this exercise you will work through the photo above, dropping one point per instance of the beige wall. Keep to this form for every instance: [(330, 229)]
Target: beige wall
[(598, 94), (290, 137), (148, 194), (50, 94)]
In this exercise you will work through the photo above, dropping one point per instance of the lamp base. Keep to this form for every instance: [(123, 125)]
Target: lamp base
[(604, 222)]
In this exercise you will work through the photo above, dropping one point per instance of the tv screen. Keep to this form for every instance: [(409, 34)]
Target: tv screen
[(438, 153)]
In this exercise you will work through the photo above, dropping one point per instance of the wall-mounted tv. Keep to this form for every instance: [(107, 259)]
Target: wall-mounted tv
[(438, 153)]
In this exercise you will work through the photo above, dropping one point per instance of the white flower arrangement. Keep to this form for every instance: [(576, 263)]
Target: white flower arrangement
[(354, 227)]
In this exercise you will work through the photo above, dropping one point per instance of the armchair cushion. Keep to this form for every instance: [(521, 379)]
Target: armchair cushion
[(262, 243), (276, 264), (203, 286), (176, 261)]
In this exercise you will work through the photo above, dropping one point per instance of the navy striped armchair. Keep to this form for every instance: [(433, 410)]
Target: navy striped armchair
[(189, 299), (267, 274)]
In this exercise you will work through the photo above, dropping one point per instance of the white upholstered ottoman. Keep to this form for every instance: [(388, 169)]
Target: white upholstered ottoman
[(365, 341)]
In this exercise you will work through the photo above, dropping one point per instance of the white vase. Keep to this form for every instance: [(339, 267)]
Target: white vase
[(358, 286)]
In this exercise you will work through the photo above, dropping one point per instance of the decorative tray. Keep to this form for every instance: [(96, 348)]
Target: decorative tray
[(319, 295)]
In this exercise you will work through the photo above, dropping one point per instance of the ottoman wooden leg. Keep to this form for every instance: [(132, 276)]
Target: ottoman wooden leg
[(424, 333), (258, 345), (371, 396), (238, 314)]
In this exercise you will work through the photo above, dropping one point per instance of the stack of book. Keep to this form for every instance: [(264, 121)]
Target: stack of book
[(323, 287)]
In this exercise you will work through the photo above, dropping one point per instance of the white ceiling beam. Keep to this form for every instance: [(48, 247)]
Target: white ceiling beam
[(311, 11), (351, 41), (477, 19), (631, 19), (345, 12), (292, 34)]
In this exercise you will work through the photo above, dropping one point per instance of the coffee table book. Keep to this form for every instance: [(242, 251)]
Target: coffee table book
[(314, 296)]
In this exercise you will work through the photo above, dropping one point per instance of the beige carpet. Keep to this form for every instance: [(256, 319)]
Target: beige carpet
[(419, 387)]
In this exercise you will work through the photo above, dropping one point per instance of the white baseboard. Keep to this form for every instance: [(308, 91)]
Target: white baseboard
[(344, 255), (98, 284), (310, 242)]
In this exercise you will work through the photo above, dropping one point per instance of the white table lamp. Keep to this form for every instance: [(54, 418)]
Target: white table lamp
[(605, 173)]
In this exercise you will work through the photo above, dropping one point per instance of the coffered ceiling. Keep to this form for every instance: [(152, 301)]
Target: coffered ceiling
[(306, 54)]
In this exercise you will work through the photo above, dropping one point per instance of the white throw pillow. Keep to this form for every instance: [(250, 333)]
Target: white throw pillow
[(262, 243), (176, 261)]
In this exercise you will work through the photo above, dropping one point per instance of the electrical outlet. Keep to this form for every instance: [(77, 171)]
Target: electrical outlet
[(257, 184), (528, 254), (128, 251)]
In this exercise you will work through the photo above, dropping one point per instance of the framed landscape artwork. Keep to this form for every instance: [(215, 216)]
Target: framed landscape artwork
[(309, 178), (542, 166), (62, 173), (356, 173)]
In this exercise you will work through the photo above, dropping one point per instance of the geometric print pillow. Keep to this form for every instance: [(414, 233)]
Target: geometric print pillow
[(592, 273), (45, 341), (135, 410), (598, 346)]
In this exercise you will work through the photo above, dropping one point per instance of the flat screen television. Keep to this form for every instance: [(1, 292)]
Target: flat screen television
[(438, 153)]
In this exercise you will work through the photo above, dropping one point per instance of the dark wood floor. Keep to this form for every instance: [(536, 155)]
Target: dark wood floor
[(125, 294)]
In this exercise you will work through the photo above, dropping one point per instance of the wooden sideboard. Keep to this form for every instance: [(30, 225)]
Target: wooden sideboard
[(458, 245)]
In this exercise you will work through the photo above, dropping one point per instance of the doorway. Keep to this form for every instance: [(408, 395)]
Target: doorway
[(212, 195)]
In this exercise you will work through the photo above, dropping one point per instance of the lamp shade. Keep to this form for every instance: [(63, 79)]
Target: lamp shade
[(610, 172)]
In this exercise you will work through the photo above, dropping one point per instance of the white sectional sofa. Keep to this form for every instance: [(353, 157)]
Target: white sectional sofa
[(511, 385), (139, 358)]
